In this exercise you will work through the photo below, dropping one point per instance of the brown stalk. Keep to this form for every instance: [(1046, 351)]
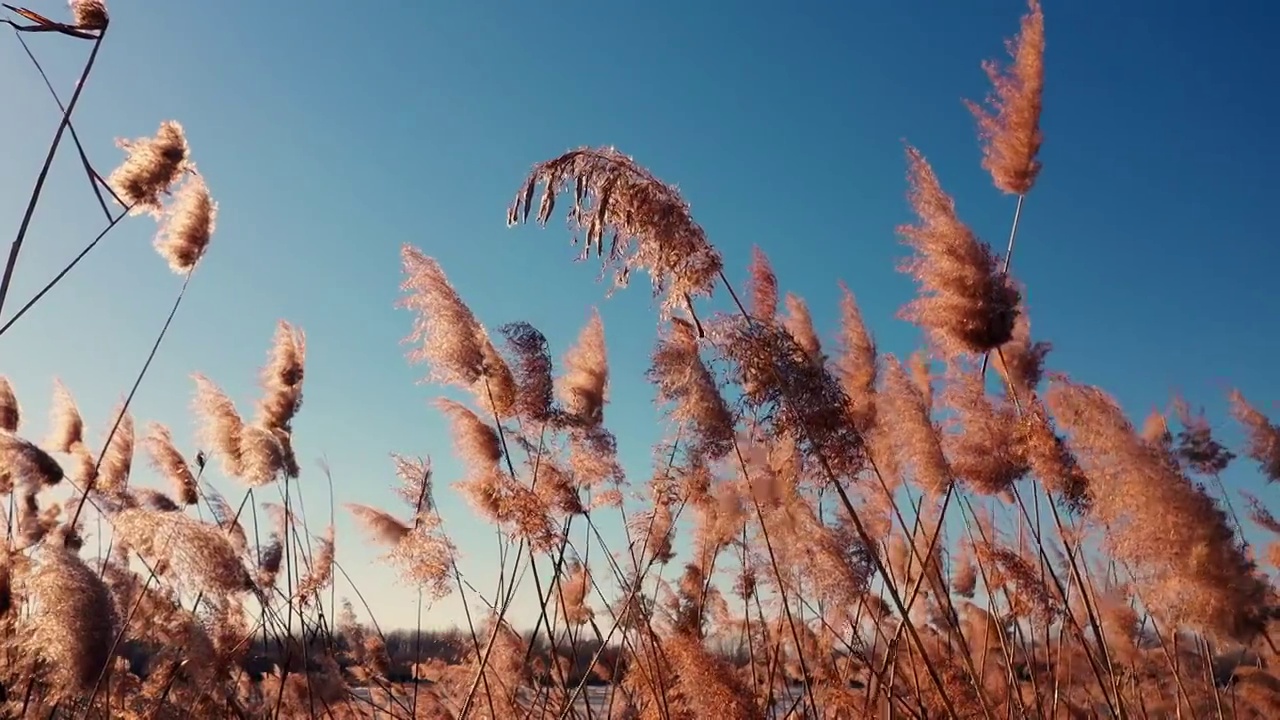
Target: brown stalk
[(16, 247), (777, 572), (865, 538), (635, 560), (96, 183), (542, 600)]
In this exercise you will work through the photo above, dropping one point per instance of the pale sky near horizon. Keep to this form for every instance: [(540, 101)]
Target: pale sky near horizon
[(332, 133)]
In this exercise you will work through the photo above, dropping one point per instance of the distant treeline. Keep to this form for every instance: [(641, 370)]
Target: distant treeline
[(408, 648)]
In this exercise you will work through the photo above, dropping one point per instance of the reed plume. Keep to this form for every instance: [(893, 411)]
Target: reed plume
[(1172, 536), (584, 386), (187, 226), (649, 222), (166, 458), (966, 304), (1010, 123), (152, 166), (10, 411), (1263, 436), (90, 14), (71, 626), (200, 556)]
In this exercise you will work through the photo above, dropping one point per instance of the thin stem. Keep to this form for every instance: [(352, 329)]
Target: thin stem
[(16, 248), (155, 347), (63, 273), (1008, 259)]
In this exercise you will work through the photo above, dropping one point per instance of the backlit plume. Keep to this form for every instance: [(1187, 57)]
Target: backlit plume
[(649, 222), (166, 458), (1174, 539), (67, 426), (188, 225), (281, 382), (10, 412), (686, 384), (799, 323), (117, 461), (89, 14), (584, 386), (72, 626), (966, 305), (448, 338), (1263, 436), (152, 167), (763, 286), (857, 364), (1010, 124), (915, 437)]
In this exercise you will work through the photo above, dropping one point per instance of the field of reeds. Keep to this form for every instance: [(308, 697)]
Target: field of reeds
[(965, 532)]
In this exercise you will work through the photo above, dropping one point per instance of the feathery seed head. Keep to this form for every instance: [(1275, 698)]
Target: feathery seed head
[(649, 221), (321, 573), (1010, 124), (67, 428), (496, 390), (1195, 445), (914, 437), (382, 526), (282, 377), (166, 458), (1020, 361), (10, 412), (152, 167), (220, 424), (574, 587), (71, 626), (200, 555), (117, 461), (801, 399), (535, 388), (1176, 540), (857, 365), (685, 382), (585, 384), (187, 226), (1263, 436), (89, 14), (763, 286), (264, 456), (24, 465), (415, 482), (966, 303), (475, 441), (799, 323), (984, 445), (153, 499), (448, 337)]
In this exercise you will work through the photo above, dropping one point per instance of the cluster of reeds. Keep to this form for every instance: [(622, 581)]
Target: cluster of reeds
[(828, 532)]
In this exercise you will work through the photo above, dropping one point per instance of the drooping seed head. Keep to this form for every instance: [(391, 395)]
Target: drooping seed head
[(187, 226), (151, 168)]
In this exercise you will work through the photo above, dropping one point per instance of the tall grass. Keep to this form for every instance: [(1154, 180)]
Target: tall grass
[(872, 536)]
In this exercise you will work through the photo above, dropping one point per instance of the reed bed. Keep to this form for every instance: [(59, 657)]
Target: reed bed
[(965, 532)]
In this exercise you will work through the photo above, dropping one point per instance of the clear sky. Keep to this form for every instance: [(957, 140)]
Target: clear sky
[(331, 133)]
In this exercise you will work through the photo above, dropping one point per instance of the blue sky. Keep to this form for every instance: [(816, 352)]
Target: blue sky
[(331, 133)]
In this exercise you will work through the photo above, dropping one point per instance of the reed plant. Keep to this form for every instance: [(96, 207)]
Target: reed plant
[(965, 532)]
